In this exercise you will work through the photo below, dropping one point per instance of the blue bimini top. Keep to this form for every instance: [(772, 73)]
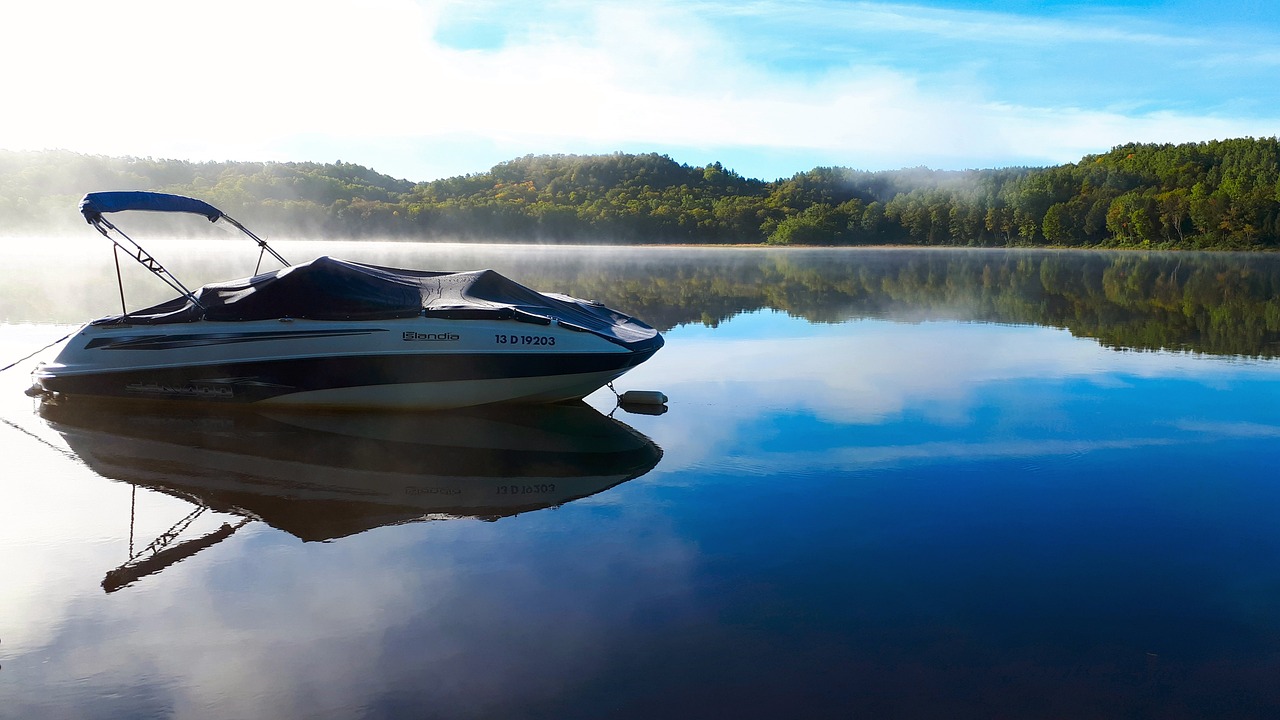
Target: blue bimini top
[(95, 204)]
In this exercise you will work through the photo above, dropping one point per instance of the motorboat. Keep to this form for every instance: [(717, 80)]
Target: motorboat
[(325, 475), (335, 333)]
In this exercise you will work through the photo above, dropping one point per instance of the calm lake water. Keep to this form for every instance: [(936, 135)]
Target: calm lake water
[(915, 484)]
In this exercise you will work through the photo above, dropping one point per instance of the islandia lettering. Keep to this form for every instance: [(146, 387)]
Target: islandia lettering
[(411, 336)]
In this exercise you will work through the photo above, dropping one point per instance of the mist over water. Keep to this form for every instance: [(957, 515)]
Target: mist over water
[(889, 483), (1220, 303)]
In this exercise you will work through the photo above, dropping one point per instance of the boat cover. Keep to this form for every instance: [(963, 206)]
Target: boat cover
[(331, 289)]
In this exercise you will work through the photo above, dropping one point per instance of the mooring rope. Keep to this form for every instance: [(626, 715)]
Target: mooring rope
[(46, 347), (61, 451)]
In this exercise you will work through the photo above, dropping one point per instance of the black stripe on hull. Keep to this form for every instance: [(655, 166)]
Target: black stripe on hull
[(177, 342), (245, 382)]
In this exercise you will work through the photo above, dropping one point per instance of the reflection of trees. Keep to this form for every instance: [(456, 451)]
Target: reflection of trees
[(1219, 303)]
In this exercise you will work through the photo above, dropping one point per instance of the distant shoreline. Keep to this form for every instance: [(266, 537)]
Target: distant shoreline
[(93, 239), (1215, 195), (957, 248)]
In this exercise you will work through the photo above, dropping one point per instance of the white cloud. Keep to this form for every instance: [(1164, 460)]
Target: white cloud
[(853, 459), (252, 80), (1230, 429), (939, 370), (991, 27), (889, 366)]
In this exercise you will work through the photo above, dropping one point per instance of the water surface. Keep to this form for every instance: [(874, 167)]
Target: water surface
[(889, 484)]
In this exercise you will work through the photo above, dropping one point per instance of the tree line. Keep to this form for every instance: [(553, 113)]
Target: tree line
[(1221, 194), (1220, 303)]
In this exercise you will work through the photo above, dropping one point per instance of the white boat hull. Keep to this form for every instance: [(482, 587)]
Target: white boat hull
[(419, 362)]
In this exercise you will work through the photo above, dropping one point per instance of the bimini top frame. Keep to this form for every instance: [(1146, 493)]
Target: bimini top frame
[(93, 205)]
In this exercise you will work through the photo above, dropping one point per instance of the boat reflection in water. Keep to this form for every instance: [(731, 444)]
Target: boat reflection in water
[(323, 476)]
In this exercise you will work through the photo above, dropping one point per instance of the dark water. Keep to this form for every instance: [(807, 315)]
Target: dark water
[(889, 484)]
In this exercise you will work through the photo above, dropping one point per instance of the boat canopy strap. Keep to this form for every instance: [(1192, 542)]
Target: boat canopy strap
[(95, 204)]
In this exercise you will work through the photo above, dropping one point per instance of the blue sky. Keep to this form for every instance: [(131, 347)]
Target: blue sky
[(424, 89)]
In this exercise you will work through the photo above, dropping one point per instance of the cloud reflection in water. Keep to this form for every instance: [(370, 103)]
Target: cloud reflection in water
[(1007, 515)]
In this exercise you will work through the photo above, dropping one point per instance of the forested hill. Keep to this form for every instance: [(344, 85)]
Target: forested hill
[(1219, 194)]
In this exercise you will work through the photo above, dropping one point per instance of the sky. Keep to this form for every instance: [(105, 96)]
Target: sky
[(424, 89)]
